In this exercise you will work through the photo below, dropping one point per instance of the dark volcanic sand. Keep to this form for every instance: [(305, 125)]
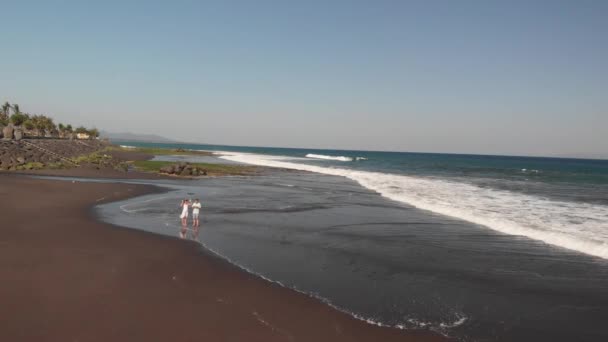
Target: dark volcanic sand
[(387, 261), (65, 277)]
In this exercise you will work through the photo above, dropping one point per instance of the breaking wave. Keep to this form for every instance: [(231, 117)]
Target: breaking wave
[(321, 156), (582, 227)]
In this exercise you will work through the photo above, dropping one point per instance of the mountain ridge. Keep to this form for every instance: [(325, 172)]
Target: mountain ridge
[(128, 136)]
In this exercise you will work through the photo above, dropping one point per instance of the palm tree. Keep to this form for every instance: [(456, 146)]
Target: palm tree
[(38, 121), (5, 113), (93, 133), (61, 129), (16, 109), (50, 126)]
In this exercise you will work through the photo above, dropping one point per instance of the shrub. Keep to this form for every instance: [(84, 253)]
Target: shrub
[(18, 119), (29, 125)]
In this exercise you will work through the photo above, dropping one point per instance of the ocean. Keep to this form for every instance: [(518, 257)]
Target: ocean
[(470, 246), (559, 201)]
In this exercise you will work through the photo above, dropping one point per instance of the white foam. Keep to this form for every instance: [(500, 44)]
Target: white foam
[(128, 146), (581, 227), (320, 156)]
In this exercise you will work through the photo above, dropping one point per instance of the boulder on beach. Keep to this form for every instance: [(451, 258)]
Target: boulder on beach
[(166, 169), (182, 169)]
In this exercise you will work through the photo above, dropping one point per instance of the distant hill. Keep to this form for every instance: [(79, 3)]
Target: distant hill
[(136, 137)]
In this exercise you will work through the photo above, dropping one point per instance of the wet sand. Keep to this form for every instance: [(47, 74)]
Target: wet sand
[(67, 277)]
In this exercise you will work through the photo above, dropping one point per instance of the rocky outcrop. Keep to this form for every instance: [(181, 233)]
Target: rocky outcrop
[(38, 153), (183, 169)]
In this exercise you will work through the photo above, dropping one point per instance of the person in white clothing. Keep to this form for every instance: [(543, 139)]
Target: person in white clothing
[(185, 204), (196, 207)]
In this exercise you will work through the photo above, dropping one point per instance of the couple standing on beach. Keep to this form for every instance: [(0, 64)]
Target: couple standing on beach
[(196, 206)]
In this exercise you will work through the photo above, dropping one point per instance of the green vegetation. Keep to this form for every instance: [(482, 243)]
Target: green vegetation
[(29, 125), (37, 125), (30, 166), (212, 169), (98, 158), (5, 112), (18, 119), (165, 151)]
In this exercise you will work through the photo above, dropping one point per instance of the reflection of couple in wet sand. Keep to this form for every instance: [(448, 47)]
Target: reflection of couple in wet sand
[(196, 206)]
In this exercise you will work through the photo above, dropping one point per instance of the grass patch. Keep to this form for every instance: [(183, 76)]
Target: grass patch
[(30, 166), (162, 151), (98, 158), (212, 169)]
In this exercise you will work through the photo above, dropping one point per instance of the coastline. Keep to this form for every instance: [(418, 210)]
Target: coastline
[(62, 265)]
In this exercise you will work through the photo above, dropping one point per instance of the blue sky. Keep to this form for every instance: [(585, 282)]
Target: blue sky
[(506, 77)]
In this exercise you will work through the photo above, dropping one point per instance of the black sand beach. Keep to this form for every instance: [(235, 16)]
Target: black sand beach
[(66, 277), (388, 262)]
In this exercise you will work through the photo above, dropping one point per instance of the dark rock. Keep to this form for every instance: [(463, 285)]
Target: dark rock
[(166, 169)]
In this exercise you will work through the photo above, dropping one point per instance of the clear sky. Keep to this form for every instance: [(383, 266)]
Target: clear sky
[(505, 77)]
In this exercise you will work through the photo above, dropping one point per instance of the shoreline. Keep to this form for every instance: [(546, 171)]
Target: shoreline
[(133, 281)]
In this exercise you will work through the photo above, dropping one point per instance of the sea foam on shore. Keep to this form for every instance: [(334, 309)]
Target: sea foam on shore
[(579, 226)]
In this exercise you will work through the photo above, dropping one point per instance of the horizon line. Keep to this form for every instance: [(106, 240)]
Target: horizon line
[(565, 156)]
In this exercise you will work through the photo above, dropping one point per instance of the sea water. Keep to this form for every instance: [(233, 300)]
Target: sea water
[(562, 202), (473, 247)]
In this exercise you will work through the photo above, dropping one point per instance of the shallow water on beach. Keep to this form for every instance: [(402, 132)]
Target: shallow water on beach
[(386, 261)]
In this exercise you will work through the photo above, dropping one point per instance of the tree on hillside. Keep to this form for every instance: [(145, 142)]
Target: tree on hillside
[(49, 126), (38, 122), (34, 125), (5, 112), (93, 133), (28, 124), (18, 119), (80, 129)]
